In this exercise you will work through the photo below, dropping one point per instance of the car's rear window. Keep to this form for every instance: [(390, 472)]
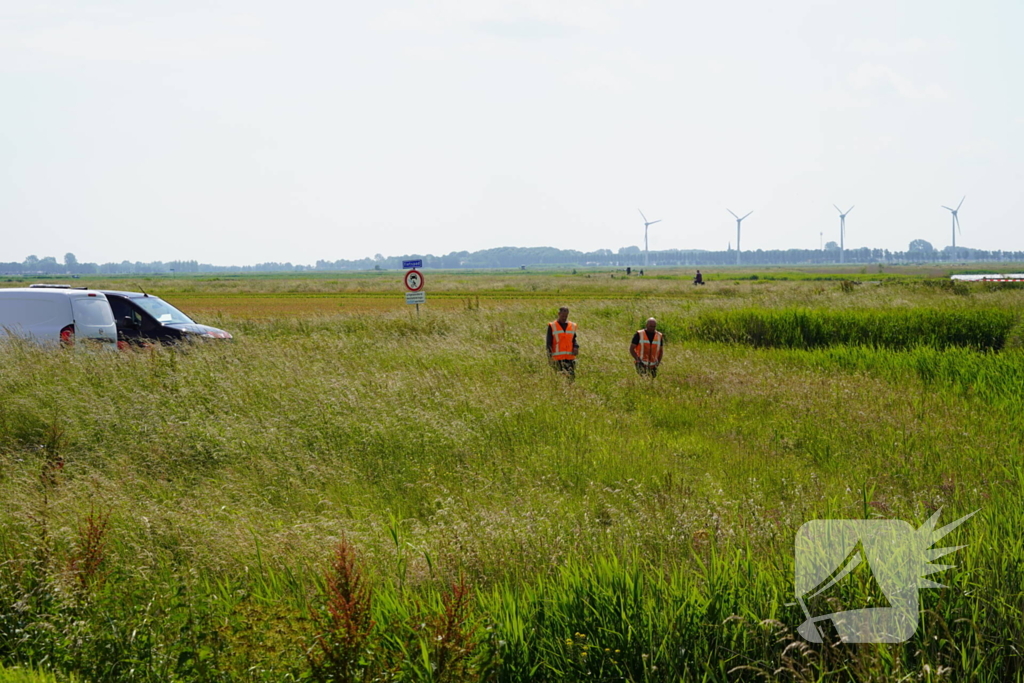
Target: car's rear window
[(92, 311)]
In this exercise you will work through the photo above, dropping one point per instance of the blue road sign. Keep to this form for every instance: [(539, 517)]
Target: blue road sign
[(418, 263)]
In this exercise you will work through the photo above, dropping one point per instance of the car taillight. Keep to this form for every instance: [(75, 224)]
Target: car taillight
[(67, 335)]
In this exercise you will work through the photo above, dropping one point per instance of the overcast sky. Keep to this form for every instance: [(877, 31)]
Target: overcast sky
[(241, 132)]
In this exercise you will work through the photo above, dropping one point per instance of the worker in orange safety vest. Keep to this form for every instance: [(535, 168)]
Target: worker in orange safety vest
[(647, 348), (562, 344)]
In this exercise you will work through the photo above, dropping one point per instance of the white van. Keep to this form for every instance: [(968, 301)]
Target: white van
[(56, 313)]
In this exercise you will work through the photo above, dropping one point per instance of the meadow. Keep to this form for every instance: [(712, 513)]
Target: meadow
[(351, 491)]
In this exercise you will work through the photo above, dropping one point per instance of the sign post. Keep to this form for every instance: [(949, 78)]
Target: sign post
[(414, 283)]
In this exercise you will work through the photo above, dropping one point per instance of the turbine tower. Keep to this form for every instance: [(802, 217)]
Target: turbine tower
[(738, 221), (647, 224), (956, 222), (842, 232)]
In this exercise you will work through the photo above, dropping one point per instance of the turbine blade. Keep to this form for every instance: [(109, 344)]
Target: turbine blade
[(947, 208), (961, 203), (748, 213), (653, 222), (849, 210), (839, 210), (642, 215), (730, 211)]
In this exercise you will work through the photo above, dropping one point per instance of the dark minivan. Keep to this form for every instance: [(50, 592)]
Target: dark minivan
[(142, 317)]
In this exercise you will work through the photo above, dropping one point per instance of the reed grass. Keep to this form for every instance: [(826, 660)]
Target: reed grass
[(977, 329)]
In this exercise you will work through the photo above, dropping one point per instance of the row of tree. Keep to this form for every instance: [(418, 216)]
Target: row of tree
[(48, 265), (919, 251)]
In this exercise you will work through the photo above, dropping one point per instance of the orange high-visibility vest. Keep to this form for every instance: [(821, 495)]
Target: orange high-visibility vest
[(562, 340), (649, 350)]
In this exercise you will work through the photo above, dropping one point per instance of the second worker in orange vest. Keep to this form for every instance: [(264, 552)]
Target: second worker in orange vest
[(561, 343), (647, 348)]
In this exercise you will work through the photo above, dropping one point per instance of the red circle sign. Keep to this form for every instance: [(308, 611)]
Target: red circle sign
[(414, 280)]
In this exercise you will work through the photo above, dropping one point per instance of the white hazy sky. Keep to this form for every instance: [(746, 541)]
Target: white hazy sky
[(239, 132)]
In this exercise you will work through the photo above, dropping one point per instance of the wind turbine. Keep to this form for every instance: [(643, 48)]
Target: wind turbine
[(738, 221), (956, 222), (842, 232), (647, 224)]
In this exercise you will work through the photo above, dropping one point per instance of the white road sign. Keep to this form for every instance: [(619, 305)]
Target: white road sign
[(414, 280), (415, 297)]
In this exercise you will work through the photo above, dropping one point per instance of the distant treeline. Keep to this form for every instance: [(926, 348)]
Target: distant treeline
[(920, 251)]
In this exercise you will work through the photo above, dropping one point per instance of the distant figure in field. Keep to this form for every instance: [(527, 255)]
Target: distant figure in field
[(647, 348), (561, 343), (629, 271), (698, 279), (641, 272)]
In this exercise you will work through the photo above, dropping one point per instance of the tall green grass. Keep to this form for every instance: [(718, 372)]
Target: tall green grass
[(996, 379), (172, 515), (887, 328), (26, 676)]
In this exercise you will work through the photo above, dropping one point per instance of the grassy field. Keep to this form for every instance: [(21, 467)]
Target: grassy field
[(349, 491)]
